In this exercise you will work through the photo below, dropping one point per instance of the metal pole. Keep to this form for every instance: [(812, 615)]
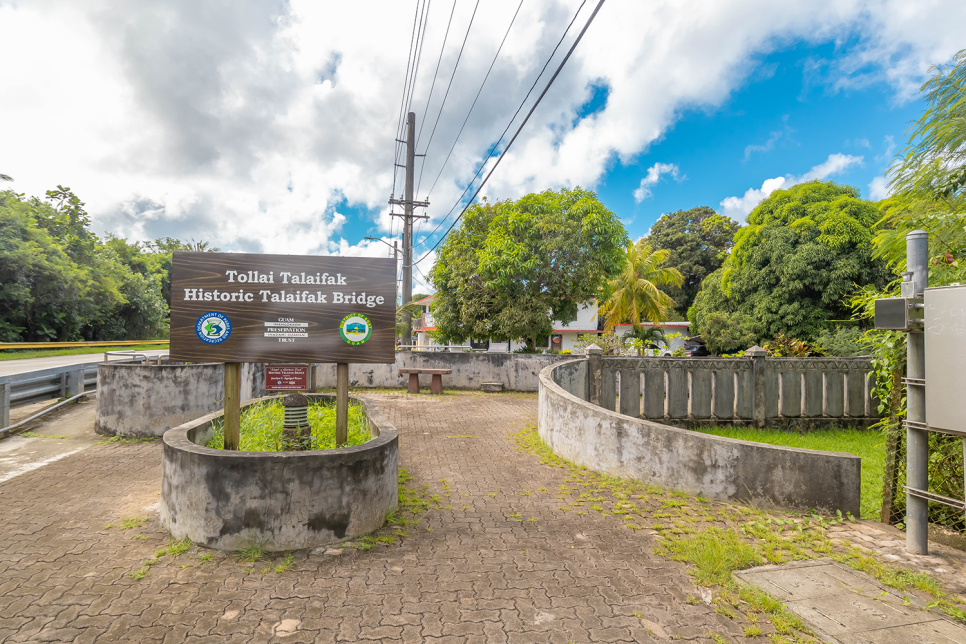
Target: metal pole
[(917, 440), (5, 404), (407, 285), (341, 404), (232, 405)]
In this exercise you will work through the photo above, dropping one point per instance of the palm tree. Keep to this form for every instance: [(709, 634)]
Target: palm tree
[(636, 293), (648, 336)]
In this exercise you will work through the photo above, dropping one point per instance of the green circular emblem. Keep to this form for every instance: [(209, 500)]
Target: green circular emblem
[(355, 328)]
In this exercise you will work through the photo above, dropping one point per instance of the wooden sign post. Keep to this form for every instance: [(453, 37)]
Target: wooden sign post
[(238, 307), (232, 405), (341, 404)]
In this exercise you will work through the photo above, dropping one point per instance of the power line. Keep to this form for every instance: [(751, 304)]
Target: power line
[(480, 91), (402, 101), (411, 83), (419, 55), (519, 129), (438, 62), (507, 128), (446, 95), (415, 57)]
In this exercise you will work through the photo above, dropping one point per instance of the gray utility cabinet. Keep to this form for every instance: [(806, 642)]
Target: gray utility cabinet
[(945, 329)]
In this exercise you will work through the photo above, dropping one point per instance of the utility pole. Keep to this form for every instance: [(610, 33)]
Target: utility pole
[(408, 205), (407, 285)]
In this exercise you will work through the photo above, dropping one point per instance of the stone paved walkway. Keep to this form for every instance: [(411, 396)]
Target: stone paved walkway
[(469, 574), (504, 564)]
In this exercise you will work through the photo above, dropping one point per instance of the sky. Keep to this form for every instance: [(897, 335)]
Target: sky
[(268, 125)]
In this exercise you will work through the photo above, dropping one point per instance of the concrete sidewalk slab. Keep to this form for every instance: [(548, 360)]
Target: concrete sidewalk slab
[(845, 606)]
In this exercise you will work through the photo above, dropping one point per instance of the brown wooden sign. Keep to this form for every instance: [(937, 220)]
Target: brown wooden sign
[(236, 307), (285, 377)]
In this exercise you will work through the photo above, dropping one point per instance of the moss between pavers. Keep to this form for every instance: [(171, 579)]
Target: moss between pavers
[(717, 538)]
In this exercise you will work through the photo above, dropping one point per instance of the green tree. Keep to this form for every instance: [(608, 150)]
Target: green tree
[(927, 182), (58, 281), (699, 240), (511, 268), (804, 251), (933, 164), (635, 293)]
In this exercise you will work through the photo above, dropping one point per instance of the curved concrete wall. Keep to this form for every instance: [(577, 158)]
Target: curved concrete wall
[(138, 400), (701, 464), (290, 500)]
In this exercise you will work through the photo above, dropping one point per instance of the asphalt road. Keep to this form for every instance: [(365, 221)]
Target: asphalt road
[(63, 432), (10, 367)]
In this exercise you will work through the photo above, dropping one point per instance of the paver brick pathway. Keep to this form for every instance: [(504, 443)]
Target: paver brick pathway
[(473, 574)]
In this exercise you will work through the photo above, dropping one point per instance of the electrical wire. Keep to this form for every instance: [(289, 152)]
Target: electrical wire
[(519, 129), (507, 128), (402, 101), (408, 87), (438, 62), (419, 55), (446, 95), (460, 133), (480, 91)]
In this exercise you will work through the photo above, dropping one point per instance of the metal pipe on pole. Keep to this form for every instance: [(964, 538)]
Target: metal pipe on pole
[(917, 440)]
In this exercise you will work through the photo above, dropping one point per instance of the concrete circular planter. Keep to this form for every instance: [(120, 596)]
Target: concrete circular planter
[(287, 500), (140, 400)]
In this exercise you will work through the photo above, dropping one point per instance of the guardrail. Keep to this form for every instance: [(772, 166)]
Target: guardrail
[(36, 386), (75, 345)]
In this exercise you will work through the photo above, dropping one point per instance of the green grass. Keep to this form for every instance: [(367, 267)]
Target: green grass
[(48, 353), (261, 427), (867, 445)]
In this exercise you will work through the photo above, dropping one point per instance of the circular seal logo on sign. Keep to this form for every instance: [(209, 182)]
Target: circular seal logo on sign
[(213, 327), (355, 328)]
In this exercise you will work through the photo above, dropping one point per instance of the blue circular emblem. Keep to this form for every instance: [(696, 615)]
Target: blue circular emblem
[(213, 327)]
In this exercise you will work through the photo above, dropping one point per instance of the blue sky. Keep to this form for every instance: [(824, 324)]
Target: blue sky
[(270, 127), (792, 126), (783, 120)]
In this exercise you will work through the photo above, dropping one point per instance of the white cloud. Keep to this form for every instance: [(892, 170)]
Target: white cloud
[(769, 145), (739, 207), (652, 177), (258, 126), (835, 164), (878, 188)]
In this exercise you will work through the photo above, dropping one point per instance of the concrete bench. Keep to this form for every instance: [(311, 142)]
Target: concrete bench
[(436, 386)]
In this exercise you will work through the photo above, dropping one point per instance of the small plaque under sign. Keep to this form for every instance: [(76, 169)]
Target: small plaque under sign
[(286, 377)]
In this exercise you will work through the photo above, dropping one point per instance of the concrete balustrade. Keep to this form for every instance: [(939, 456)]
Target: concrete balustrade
[(798, 393)]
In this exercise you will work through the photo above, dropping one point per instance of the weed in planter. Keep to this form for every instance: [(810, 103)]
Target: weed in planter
[(261, 427)]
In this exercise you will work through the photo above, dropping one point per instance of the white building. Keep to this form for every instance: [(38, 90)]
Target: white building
[(563, 337)]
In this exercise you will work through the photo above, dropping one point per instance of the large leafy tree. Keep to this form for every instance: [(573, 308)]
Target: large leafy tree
[(928, 185), (698, 240), (59, 281), (511, 268), (636, 292), (804, 251)]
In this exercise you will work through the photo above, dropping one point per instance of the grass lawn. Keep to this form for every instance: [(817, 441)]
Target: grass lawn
[(261, 427), (866, 444), (47, 353)]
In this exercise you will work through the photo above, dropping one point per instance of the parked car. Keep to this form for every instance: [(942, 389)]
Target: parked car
[(696, 350)]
